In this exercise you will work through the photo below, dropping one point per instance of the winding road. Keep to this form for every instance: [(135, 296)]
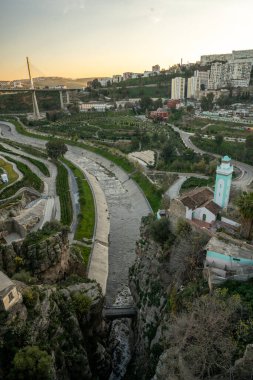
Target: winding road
[(246, 177)]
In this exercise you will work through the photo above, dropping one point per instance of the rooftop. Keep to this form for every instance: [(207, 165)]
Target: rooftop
[(226, 245), (197, 198)]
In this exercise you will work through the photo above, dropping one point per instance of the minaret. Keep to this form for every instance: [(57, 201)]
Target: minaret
[(223, 182), (36, 111)]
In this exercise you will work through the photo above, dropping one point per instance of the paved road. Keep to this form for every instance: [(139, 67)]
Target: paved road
[(247, 170), (126, 203), (174, 190)]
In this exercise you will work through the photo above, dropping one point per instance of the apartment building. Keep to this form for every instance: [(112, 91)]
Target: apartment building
[(229, 74), (197, 83), (178, 88), (117, 78)]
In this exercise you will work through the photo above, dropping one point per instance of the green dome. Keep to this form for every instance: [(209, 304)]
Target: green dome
[(226, 159)]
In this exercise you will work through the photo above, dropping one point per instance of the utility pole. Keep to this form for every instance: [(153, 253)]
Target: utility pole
[(36, 111)]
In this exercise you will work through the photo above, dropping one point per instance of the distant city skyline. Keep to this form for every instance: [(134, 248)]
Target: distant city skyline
[(84, 38)]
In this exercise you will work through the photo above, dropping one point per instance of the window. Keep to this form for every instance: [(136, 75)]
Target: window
[(10, 296), (204, 217)]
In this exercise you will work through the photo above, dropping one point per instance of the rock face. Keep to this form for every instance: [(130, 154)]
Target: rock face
[(47, 259), (66, 323), (168, 289)]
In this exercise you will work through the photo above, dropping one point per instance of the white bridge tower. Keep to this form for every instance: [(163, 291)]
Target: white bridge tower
[(36, 111)]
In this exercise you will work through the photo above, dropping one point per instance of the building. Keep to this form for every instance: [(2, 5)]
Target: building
[(201, 204), (95, 106), (173, 103), (197, 205), (191, 87), (159, 114), (223, 182), (198, 83), (178, 88), (228, 258), (117, 78), (236, 55), (9, 295), (104, 81), (127, 75)]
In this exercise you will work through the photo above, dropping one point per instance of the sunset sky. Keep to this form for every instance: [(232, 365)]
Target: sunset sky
[(85, 38)]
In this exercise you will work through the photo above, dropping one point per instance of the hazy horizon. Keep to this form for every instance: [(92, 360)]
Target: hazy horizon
[(82, 39)]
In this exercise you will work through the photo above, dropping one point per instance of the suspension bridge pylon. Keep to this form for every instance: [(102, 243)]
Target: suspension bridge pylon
[(36, 111)]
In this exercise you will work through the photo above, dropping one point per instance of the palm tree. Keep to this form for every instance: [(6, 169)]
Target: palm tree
[(245, 205)]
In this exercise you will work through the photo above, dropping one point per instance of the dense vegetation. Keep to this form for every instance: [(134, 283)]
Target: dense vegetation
[(21, 102), (63, 191)]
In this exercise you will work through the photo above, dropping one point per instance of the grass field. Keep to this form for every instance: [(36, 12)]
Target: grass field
[(63, 191), (86, 219)]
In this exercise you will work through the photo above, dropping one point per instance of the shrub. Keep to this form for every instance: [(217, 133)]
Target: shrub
[(24, 276), (160, 230), (32, 363), (81, 303)]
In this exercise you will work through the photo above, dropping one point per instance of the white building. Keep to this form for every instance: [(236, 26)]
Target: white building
[(104, 81), (178, 88), (117, 78), (95, 106), (197, 83)]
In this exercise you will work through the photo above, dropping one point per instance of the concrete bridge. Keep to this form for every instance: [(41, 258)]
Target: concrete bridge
[(118, 312)]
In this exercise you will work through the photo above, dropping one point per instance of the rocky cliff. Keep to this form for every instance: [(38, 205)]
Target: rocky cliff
[(182, 331), (62, 321), (45, 254)]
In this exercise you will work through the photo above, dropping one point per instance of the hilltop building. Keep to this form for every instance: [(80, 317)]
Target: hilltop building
[(199, 82), (202, 204), (236, 55)]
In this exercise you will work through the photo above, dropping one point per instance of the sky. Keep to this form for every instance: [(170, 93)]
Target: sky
[(93, 38)]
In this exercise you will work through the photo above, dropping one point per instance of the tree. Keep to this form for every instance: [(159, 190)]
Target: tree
[(245, 205), (160, 230), (32, 363), (95, 84), (219, 140), (207, 102), (202, 338), (168, 152), (146, 103), (55, 149)]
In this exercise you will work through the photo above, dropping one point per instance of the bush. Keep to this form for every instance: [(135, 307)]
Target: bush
[(81, 303), (30, 297), (160, 230), (24, 276), (32, 363)]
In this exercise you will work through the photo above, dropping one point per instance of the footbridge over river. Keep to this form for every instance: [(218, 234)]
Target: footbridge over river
[(118, 312)]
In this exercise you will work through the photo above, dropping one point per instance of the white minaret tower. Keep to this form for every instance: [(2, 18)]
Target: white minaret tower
[(36, 111), (223, 182)]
